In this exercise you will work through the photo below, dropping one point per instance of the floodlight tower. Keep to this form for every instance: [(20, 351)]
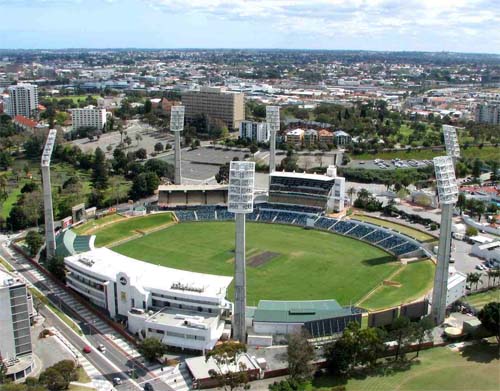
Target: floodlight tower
[(177, 126), (448, 194), (451, 142), (50, 236), (273, 125), (240, 202)]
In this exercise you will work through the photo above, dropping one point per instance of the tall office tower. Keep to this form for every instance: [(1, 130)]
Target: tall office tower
[(88, 117), (273, 125), (240, 202), (254, 131), (15, 338), (23, 100), (215, 103), (448, 194), (488, 112), (50, 237), (451, 142), (177, 126)]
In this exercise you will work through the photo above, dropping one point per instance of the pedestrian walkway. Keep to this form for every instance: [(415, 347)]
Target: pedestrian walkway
[(177, 377)]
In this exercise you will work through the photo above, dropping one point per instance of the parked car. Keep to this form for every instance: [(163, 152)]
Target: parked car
[(148, 387), (102, 348), (117, 381), (87, 349)]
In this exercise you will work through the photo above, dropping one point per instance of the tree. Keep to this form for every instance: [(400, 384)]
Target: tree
[(422, 330), (128, 141), (141, 154), (253, 148), (474, 278), (476, 168), (99, 170), (231, 373), (17, 218), (494, 171), (53, 380), (147, 106), (34, 241), (300, 354), (341, 355), (5, 160), (159, 147), (151, 348), (402, 332), (223, 175), (138, 138), (490, 318), (144, 185), (289, 163), (160, 167), (350, 192), (471, 231), (461, 202), (55, 265)]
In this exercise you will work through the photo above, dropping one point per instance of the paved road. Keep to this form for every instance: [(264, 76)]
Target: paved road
[(115, 363)]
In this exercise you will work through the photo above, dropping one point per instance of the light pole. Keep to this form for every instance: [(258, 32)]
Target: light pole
[(448, 194), (451, 142), (177, 126), (50, 236), (273, 125), (240, 202)]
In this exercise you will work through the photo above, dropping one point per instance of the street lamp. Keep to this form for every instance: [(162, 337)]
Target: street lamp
[(240, 202), (448, 195), (273, 125), (177, 126)]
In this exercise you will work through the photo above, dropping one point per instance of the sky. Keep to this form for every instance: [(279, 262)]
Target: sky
[(420, 25)]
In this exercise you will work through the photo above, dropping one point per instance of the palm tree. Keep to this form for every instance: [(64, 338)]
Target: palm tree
[(474, 278), (350, 192), (138, 138)]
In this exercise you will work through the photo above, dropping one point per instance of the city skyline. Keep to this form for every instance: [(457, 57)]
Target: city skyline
[(445, 25)]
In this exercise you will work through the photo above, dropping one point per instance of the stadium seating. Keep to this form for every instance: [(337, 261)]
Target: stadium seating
[(185, 215), (290, 214), (376, 236), (324, 222), (343, 226), (360, 231)]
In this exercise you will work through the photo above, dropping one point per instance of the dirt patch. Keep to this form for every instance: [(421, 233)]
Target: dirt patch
[(392, 283), (262, 258)]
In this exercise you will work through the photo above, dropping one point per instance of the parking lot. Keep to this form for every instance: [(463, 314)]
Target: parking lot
[(149, 136), (380, 164)]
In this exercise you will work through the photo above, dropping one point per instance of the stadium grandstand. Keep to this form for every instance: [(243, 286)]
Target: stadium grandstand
[(323, 191), (308, 217), (69, 243), (185, 195)]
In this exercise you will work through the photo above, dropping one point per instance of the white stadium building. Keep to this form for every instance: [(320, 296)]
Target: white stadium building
[(182, 308)]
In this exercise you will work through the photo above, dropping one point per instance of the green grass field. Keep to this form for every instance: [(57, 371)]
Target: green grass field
[(129, 227), (415, 279), (74, 98), (475, 368), (309, 264), (414, 233), (485, 153), (479, 300), (93, 226)]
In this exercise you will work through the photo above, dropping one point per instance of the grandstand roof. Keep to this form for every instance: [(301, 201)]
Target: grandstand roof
[(317, 177), (298, 311), (191, 187), (68, 243), (106, 264)]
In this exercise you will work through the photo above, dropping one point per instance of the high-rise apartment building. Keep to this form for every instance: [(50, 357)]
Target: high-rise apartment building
[(254, 131), (215, 103), (88, 117), (16, 309), (22, 100), (488, 113)]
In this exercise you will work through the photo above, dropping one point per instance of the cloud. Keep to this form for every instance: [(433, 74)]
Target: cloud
[(351, 17)]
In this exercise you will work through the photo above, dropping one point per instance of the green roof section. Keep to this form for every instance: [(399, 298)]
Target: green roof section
[(298, 311), (69, 243)]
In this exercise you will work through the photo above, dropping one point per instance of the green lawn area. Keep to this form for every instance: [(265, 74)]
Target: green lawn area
[(123, 229), (414, 233), (12, 197), (415, 279), (308, 264), (94, 225), (479, 300), (74, 98), (485, 153), (475, 368)]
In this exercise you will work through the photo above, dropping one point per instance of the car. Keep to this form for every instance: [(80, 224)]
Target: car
[(102, 348), (148, 387), (117, 381), (87, 349)]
